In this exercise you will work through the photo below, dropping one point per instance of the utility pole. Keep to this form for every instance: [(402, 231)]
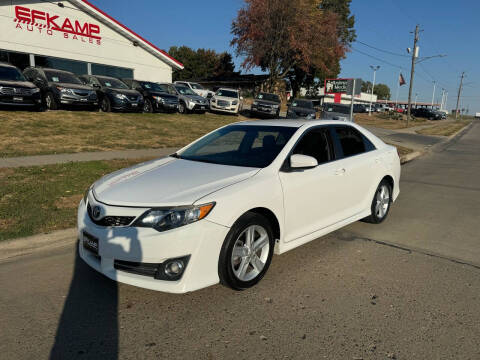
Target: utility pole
[(416, 96), (374, 68), (459, 93), (412, 72)]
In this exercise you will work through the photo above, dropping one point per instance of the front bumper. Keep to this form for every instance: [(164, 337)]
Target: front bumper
[(166, 107), (265, 111), (127, 105), (201, 241), (34, 100), (232, 109)]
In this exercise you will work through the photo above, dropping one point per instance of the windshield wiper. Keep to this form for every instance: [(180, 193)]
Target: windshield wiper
[(176, 156)]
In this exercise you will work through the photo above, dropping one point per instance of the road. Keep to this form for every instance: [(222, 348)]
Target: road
[(406, 289)]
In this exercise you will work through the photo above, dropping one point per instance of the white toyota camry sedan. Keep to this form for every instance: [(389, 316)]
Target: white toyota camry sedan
[(218, 209)]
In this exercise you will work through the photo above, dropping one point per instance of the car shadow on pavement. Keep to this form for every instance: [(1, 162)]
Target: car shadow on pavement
[(88, 327)]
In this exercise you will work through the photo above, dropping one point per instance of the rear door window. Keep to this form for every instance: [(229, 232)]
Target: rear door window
[(351, 141)]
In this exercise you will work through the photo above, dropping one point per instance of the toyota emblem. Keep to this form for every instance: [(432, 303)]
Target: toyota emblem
[(97, 212)]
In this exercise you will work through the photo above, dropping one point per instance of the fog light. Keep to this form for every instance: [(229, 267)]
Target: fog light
[(174, 268)]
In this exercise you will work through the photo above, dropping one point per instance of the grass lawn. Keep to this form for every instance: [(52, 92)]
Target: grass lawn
[(444, 130), (30, 133), (386, 121), (45, 198)]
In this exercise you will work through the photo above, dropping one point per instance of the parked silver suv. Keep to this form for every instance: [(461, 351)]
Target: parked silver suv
[(188, 101)]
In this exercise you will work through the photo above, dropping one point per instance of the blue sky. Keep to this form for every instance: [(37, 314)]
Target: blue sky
[(448, 28)]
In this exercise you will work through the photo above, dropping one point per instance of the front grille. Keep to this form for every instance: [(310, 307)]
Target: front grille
[(132, 97), (81, 93), (223, 103), (111, 221), (15, 91)]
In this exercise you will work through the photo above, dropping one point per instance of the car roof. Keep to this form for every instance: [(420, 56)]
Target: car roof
[(7, 64), (52, 69), (225, 88), (291, 122)]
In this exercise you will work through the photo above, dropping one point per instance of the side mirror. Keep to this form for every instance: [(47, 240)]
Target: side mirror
[(298, 161), (241, 97)]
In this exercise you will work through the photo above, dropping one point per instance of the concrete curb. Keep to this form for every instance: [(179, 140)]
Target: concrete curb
[(24, 246), (411, 156)]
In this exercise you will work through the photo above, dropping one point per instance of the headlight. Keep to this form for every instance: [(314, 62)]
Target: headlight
[(255, 103), (311, 116), (35, 90), (275, 106), (121, 96), (213, 99), (159, 99), (166, 219), (234, 102)]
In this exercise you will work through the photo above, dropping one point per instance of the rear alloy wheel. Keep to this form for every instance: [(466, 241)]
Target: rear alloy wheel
[(50, 102), (247, 252), (106, 106), (147, 106), (381, 203)]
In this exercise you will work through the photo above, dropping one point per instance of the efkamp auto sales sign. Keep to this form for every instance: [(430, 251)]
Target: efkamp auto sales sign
[(46, 23)]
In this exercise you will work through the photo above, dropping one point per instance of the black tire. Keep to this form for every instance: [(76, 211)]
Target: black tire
[(148, 106), (50, 102), (225, 267), (106, 105), (376, 217), (182, 108)]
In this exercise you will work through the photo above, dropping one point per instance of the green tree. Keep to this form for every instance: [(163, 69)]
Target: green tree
[(201, 63), (381, 90)]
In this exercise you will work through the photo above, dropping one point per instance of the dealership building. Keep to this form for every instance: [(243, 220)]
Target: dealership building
[(76, 36)]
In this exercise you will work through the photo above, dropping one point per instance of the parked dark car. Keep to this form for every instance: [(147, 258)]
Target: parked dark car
[(113, 94), (332, 111), (155, 96), (266, 105), (302, 109), (427, 113), (359, 108), (188, 100), (61, 88), (16, 91)]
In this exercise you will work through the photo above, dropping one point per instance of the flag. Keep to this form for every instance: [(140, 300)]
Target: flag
[(401, 80)]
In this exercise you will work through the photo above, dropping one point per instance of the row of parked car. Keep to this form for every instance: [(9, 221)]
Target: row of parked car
[(44, 88)]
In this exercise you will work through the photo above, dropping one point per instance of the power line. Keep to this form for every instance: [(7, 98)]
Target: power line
[(381, 50), (378, 59)]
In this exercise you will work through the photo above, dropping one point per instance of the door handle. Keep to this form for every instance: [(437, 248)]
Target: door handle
[(340, 171)]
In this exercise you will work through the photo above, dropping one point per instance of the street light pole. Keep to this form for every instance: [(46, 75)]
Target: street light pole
[(459, 93), (433, 96), (374, 68)]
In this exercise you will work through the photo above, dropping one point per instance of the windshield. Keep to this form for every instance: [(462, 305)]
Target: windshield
[(268, 97), (302, 103), (184, 90), (152, 86), (112, 83), (227, 93), (240, 145), (11, 74), (62, 77), (167, 88), (196, 86)]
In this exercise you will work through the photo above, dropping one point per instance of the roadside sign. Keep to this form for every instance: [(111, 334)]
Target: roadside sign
[(336, 86)]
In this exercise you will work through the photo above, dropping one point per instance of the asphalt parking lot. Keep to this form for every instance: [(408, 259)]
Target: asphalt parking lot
[(406, 289)]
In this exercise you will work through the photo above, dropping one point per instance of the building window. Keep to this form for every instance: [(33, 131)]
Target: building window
[(19, 60), (76, 67), (113, 71)]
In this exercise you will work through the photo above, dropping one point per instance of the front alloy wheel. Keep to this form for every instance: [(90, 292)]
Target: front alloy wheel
[(381, 203), (246, 252), (147, 106)]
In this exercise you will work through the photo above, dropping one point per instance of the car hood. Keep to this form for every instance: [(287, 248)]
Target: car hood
[(167, 182), (72, 86), (266, 102), (23, 84), (193, 97), (163, 95), (300, 110), (225, 98), (123, 91)]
